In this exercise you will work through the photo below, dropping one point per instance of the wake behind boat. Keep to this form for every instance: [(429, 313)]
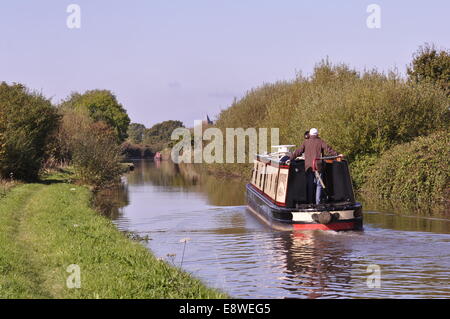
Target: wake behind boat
[(277, 194)]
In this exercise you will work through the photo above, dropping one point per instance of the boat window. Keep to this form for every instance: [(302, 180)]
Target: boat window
[(269, 182), (255, 172)]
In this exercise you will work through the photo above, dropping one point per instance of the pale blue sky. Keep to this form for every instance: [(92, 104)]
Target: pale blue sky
[(167, 59)]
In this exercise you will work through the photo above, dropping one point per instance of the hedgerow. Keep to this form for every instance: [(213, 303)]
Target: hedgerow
[(417, 171)]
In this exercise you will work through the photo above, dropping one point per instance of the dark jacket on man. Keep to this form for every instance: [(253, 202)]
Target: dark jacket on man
[(314, 147)]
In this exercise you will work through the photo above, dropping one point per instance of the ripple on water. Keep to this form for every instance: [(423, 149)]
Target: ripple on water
[(230, 249)]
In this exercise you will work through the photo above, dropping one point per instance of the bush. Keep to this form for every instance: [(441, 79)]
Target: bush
[(27, 119), (431, 65), (358, 114), (360, 168), (93, 149), (418, 171)]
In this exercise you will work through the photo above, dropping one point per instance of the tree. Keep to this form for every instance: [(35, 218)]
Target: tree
[(136, 133), (27, 120), (158, 136), (101, 105), (164, 129), (431, 65)]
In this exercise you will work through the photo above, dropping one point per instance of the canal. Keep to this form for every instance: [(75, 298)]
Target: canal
[(201, 224)]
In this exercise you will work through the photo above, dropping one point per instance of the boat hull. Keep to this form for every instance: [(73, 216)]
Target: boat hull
[(337, 217)]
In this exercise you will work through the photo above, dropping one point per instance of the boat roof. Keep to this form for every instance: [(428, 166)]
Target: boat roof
[(275, 157)]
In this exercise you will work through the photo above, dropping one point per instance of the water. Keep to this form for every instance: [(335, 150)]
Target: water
[(228, 248)]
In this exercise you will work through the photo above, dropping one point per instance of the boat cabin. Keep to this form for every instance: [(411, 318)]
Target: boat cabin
[(283, 181)]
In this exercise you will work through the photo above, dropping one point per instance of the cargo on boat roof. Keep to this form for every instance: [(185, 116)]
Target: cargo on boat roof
[(277, 193)]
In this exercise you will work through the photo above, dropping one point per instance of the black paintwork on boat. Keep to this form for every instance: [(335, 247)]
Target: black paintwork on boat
[(262, 205), (336, 177), (338, 197)]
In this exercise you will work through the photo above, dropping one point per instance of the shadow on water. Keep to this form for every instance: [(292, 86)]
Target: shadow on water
[(110, 201), (231, 250), (407, 216)]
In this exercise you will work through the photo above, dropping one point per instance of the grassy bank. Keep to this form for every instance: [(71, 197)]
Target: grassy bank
[(45, 227), (5, 186)]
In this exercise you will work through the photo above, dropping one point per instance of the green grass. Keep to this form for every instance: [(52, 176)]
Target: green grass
[(45, 227)]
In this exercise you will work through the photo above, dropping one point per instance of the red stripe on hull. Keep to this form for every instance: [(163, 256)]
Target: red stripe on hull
[(267, 196), (333, 226)]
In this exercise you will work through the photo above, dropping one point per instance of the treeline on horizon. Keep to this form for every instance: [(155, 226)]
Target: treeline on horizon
[(144, 142), (393, 130)]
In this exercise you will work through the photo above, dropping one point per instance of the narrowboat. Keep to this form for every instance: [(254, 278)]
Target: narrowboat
[(157, 156), (277, 194)]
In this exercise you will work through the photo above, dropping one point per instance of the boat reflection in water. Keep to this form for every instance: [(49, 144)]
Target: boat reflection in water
[(314, 265), (230, 249)]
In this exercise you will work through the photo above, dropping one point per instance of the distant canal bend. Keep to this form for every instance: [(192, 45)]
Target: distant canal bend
[(228, 248)]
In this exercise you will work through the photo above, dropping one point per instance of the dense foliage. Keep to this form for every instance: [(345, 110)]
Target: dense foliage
[(359, 114), (419, 170), (158, 136), (431, 65), (84, 132), (27, 119), (136, 133), (93, 149), (101, 105)]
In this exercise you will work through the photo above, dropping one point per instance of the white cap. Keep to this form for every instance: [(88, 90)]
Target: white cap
[(313, 131)]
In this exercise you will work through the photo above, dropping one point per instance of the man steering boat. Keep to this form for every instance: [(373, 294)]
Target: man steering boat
[(314, 148)]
